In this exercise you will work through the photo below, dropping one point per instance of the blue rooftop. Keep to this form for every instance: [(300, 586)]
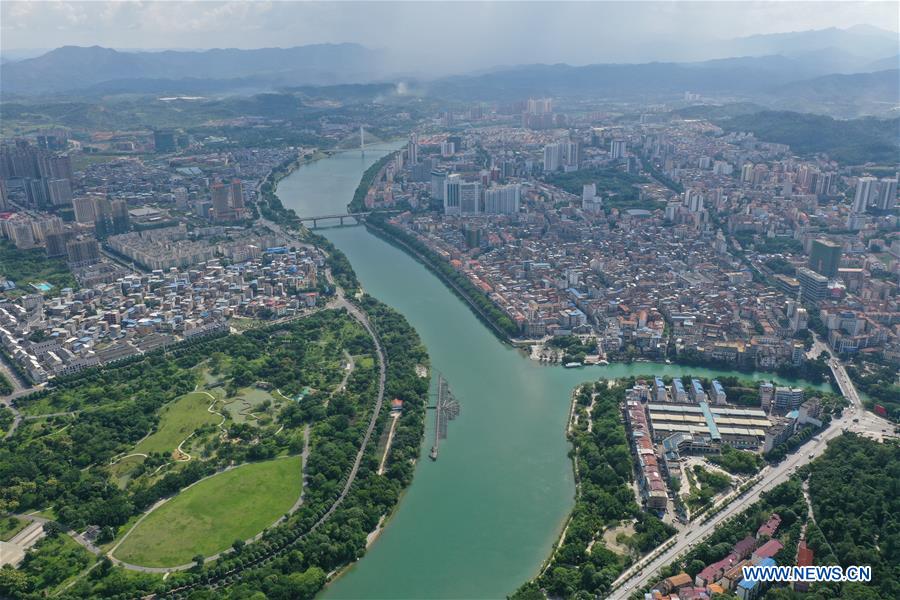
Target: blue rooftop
[(710, 422)]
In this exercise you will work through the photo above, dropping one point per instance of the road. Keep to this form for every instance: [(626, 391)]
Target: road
[(20, 388), (855, 418)]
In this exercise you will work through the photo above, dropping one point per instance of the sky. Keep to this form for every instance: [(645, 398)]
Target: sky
[(452, 35)]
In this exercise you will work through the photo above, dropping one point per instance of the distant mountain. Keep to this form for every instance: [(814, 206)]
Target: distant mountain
[(860, 41), (74, 68), (623, 80), (884, 64), (774, 81)]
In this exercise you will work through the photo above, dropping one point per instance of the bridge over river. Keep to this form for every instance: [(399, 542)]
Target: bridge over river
[(358, 217)]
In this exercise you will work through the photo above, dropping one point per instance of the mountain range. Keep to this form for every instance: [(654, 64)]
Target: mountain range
[(843, 72), (72, 68)]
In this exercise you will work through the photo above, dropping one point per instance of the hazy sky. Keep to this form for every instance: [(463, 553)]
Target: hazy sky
[(461, 34)]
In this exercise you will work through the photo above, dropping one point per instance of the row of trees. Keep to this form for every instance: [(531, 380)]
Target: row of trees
[(484, 307), (358, 203)]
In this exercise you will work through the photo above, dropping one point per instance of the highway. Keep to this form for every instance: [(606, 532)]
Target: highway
[(855, 418)]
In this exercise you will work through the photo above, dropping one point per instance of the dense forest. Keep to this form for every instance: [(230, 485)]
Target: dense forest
[(583, 564), (854, 141)]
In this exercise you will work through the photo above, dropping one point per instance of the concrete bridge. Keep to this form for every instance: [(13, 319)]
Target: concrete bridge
[(358, 216)]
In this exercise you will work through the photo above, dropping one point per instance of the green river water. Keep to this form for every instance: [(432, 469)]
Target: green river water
[(478, 522)]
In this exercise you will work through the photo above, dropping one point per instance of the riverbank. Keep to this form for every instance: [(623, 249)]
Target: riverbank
[(358, 203), (268, 203), (483, 307)]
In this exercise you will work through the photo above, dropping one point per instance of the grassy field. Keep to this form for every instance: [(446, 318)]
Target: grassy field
[(177, 421), (121, 471), (247, 406), (208, 517), (10, 526)]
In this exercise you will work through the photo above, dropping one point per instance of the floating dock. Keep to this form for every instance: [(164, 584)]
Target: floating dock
[(446, 408)]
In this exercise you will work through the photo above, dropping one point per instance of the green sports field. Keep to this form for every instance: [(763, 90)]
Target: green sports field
[(211, 515), (177, 421)]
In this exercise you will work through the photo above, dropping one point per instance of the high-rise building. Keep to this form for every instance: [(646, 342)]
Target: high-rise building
[(825, 257), (21, 234), (590, 201), (85, 209), (747, 172), (438, 180), (83, 252), (412, 149), (540, 106), (470, 198), (36, 195), (814, 287), (181, 198), (554, 157), (693, 199), (617, 149), (237, 195), (448, 149), (56, 242), (164, 141), (4, 195), (60, 192), (221, 201), (887, 194), (502, 200), (120, 220), (866, 189), (452, 194), (571, 154), (55, 167)]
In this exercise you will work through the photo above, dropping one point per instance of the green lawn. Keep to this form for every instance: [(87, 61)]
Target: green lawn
[(208, 517), (178, 420), (121, 471), (246, 407), (10, 526)]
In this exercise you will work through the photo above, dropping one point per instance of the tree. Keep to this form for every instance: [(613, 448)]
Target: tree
[(198, 561), (13, 583)]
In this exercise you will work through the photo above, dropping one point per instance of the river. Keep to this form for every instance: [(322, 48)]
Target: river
[(478, 522)]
